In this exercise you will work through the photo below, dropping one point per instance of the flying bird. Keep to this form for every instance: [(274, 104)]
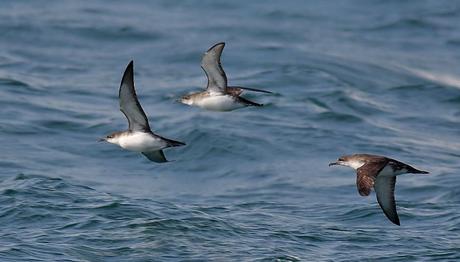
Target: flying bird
[(139, 137), (218, 96), (380, 173)]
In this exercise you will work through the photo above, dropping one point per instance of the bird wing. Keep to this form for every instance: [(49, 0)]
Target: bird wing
[(247, 102), (217, 80), (385, 188), (364, 184), (366, 175), (129, 104), (239, 89), (155, 156)]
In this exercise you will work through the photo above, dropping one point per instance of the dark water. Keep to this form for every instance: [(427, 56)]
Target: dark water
[(379, 77)]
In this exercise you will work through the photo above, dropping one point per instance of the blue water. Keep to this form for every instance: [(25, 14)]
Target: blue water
[(254, 184)]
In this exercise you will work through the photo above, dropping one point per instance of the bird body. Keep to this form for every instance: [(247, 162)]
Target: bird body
[(218, 96), (138, 137), (140, 141), (217, 102), (378, 172)]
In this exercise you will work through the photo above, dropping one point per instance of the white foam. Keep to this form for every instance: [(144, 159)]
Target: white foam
[(440, 78)]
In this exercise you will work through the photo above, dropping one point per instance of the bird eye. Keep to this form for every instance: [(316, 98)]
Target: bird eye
[(341, 159)]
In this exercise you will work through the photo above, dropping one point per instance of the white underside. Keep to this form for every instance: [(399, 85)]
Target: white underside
[(219, 103), (141, 142)]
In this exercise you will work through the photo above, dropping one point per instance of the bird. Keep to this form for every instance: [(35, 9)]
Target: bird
[(380, 173), (218, 96), (139, 137)]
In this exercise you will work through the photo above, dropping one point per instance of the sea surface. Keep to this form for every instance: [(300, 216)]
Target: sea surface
[(254, 184)]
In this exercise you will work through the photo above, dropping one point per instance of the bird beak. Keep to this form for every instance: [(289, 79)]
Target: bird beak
[(333, 164), (101, 140)]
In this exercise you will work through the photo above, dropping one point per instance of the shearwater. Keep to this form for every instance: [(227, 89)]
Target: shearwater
[(139, 137), (379, 172), (218, 96)]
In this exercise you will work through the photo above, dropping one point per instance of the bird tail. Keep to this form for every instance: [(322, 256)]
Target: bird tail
[(173, 143), (416, 171)]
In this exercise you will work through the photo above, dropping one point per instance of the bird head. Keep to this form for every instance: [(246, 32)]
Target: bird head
[(112, 138), (187, 99), (353, 161)]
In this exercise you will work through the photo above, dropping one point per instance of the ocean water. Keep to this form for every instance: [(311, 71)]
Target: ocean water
[(253, 184)]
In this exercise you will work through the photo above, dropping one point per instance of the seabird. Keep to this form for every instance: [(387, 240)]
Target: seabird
[(139, 137), (379, 172), (218, 96)]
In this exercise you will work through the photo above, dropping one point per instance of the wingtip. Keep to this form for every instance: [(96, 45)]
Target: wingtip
[(393, 219), (216, 45), (128, 74), (130, 65)]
